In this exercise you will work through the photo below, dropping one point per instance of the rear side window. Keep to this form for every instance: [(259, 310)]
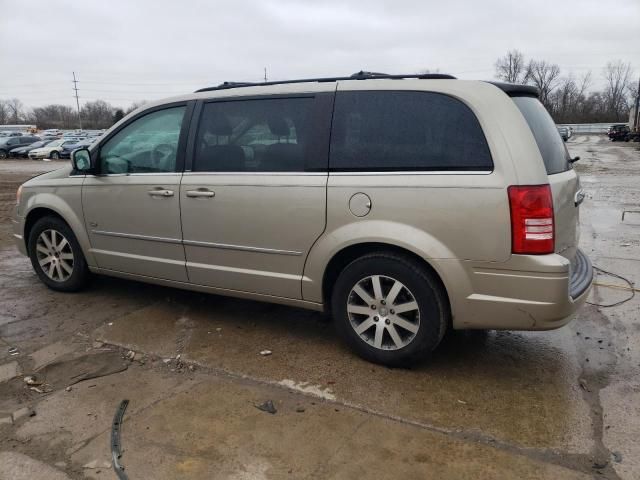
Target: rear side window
[(262, 135), (406, 131), (552, 148)]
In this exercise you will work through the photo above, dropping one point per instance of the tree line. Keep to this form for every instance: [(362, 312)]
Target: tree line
[(569, 99), (94, 115)]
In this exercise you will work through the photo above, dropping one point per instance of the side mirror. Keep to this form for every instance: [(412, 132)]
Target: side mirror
[(81, 160)]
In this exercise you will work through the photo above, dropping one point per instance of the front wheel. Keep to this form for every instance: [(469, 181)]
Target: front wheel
[(389, 310), (56, 255), (3, 154)]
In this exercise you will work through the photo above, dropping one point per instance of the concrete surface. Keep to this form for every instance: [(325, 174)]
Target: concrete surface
[(560, 404), (16, 466), (9, 370)]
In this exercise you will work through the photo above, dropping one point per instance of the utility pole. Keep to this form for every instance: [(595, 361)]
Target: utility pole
[(637, 122), (265, 74), (75, 87)]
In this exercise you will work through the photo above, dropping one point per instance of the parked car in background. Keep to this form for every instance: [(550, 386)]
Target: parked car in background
[(352, 198), (50, 137), (10, 134), (564, 133), (23, 151), (67, 148), (619, 132), (9, 143), (52, 150), (51, 132)]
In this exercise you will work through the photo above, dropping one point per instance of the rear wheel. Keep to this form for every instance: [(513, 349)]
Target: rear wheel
[(56, 255), (55, 155), (388, 309), (3, 154)]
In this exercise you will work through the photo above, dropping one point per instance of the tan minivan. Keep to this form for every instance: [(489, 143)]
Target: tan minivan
[(404, 204)]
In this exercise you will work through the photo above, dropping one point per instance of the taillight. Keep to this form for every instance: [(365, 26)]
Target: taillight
[(532, 225)]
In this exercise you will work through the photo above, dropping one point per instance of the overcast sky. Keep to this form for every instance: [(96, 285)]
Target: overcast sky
[(125, 51)]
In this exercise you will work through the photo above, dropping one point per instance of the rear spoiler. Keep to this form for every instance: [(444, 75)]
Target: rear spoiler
[(516, 90)]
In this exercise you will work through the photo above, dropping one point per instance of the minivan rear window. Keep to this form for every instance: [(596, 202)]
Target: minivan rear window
[(552, 148), (406, 131)]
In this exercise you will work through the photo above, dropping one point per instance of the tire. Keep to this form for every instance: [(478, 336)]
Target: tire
[(3, 154), (428, 322), (41, 248), (54, 155)]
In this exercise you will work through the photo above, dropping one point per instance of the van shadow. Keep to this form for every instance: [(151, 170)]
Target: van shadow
[(519, 386)]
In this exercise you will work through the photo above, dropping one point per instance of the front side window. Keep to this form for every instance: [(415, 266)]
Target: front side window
[(406, 131), (265, 135), (147, 145)]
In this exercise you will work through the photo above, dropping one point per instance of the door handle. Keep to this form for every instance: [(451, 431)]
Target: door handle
[(579, 197), (160, 192), (200, 193)]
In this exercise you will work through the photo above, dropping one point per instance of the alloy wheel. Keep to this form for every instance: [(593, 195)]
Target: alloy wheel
[(383, 312), (55, 255)]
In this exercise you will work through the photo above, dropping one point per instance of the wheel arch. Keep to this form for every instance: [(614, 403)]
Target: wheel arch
[(36, 214), (75, 224), (350, 253)]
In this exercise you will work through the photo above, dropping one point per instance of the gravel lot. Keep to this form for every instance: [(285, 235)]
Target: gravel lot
[(560, 404)]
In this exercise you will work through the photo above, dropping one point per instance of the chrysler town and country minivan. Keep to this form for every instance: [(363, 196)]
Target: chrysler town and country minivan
[(404, 205)]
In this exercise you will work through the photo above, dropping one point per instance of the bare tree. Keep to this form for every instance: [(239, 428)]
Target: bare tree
[(14, 107), (511, 68), (4, 112), (53, 116), (134, 106), (564, 99), (545, 76), (617, 76), (97, 114), (584, 83)]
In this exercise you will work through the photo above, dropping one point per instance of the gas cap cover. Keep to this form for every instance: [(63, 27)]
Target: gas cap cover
[(360, 204)]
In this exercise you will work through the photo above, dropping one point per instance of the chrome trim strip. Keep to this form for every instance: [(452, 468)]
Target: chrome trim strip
[(195, 243), (317, 174), (245, 271), (412, 173), (136, 236), (226, 246), (277, 174), (146, 174)]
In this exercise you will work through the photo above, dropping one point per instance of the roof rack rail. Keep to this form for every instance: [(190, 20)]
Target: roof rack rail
[(361, 75)]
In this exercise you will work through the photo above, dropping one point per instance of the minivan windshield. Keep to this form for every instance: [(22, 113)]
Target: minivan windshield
[(552, 148)]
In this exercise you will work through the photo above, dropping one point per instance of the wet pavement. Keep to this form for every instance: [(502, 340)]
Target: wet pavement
[(559, 404)]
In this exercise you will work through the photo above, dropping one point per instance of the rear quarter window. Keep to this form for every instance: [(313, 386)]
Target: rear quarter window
[(552, 148), (405, 131)]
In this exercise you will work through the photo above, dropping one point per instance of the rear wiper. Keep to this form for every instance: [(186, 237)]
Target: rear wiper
[(574, 159)]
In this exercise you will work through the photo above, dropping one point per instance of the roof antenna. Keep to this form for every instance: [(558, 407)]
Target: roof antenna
[(265, 74)]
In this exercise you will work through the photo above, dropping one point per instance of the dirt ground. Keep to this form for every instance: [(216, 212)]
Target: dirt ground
[(554, 405)]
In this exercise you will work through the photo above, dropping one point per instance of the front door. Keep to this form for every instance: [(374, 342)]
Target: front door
[(254, 201), (132, 205)]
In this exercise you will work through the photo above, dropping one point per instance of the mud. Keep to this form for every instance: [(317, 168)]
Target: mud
[(560, 404)]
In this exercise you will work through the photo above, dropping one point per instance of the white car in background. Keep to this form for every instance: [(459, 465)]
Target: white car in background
[(51, 150)]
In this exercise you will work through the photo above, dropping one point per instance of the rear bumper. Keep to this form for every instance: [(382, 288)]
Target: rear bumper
[(580, 275), (528, 292)]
